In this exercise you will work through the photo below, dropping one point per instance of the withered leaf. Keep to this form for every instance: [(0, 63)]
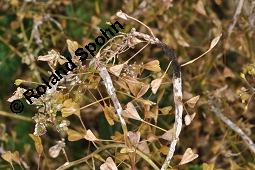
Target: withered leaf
[(134, 137), (109, 114), (146, 102), (215, 41), (54, 151), (152, 66), (200, 8), (192, 102), (134, 85), (164, 150), (38, 143), (74, 135), (121, 15), (116, 70), (166, 110), (72, 46), (108, 165), (155, 84), (127, 150), (69, 108), (143, 90), (188, 156), (90, 136), (131, 112), (188, 118), (143, 146), (168, 135), (7, 156)]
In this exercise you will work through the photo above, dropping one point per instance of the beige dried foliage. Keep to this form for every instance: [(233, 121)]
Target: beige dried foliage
[(143, 90), (10, 157), (168, 135), (90, 136), (116, 70), (135, 86), (188, 118), (72, 46), (164, 149), (200, 8), (188, 156), (108, 165), (134, 137), (131, 112), (193, 101), (69, 108), (38, 143), (165, 110), (143, 146), (155, 84), (121, 15), (110, 114), (152, 66), (74, 135)]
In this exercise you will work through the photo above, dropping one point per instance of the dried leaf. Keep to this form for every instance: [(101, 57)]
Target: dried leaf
[(122, 84), (134, 85), (109, 115), (143, 90), (18, 94), (72, 46), (38, 143), (166, 110), (131, 112), (7, 156), (188, 118), (134, 137), (168, 135), (74, 135), (90, 136), (192, 102), (55, 150), (155, 84), (208, 166), (164, 150), (152, 66), (116, 70), (188, 156), (127, 150), (69, 108), (108, 165), (212, 45), (199, 7), (52, 57), (16, 157), (121, 15), (143, 146), (215, 41), (146, 102)]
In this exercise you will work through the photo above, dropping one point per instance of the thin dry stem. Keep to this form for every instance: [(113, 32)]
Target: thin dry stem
[(237, 13), (111, 91), (216, 110)]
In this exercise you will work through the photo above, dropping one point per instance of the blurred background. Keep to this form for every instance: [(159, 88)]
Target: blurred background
[(29, 28)]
